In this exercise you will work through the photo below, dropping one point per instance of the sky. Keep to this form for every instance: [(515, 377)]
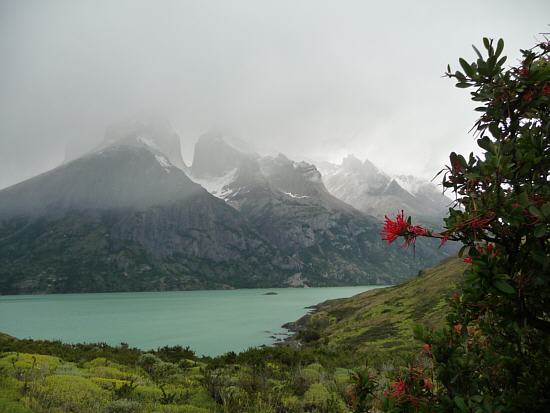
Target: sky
[(315, 79)]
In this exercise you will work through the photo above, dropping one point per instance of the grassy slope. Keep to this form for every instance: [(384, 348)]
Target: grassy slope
[(383, 320)]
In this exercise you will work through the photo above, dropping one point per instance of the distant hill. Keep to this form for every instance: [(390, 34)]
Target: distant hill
[(381, 321)]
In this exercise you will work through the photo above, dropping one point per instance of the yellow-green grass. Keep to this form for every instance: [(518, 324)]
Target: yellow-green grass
[(383, 320)]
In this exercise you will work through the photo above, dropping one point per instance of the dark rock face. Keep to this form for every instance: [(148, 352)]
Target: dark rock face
[(125, 218)]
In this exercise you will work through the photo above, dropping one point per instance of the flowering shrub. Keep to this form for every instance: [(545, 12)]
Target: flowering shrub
[(494, 354), (411, 391)]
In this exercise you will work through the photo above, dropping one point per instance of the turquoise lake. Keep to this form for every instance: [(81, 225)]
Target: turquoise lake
[(210, 322)]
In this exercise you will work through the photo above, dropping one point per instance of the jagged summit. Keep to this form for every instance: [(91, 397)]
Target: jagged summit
[(371, 190)]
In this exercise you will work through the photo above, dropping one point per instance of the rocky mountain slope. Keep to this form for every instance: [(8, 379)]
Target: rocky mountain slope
[(127, 217), (289, 205), (372, 191)]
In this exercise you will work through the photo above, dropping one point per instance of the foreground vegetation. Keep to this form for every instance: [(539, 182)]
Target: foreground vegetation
[(317, 376)]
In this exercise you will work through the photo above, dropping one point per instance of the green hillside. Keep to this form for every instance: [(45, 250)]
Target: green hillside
[(383, 320)]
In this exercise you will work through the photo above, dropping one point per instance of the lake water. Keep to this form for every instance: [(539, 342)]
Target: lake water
[(210, 322)]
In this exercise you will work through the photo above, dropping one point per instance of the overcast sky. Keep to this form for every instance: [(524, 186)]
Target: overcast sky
[(313, 79)]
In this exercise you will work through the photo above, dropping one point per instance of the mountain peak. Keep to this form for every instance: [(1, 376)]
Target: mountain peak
[(351, 162), (155, 134), (213, 156)]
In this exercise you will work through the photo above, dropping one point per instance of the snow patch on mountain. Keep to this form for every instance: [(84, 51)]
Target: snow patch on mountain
[(291, 195), (412, 184), (148, 142), (217, 185), (163, 162)]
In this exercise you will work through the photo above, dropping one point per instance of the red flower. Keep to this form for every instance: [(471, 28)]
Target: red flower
[(524, 70), (468, 260), (528, 96), (401, 228), (546, 89), (394, 229), (398, 388)]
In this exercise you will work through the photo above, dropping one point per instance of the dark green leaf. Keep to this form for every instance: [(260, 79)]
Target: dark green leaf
[(535, 211), (540, 231), (459, 402), (504, 287), (500, 47), (477, 52), (467, 68), (485, 143)]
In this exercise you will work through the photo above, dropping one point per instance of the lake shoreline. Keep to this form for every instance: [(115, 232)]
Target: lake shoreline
[(148, 320)]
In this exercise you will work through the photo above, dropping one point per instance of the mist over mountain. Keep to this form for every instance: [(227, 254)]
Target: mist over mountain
[(130, 215), (375, 192)]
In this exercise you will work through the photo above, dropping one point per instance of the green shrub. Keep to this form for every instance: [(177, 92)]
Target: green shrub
[(186, 408), (148, 393), (124, 406), (26, 361), (71, 393), (10, 396), (108, 372), (316, 395), (109, 384)]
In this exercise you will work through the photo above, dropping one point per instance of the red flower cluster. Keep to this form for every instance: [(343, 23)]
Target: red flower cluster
[(401, 228), (488, 250), (397, 388)]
